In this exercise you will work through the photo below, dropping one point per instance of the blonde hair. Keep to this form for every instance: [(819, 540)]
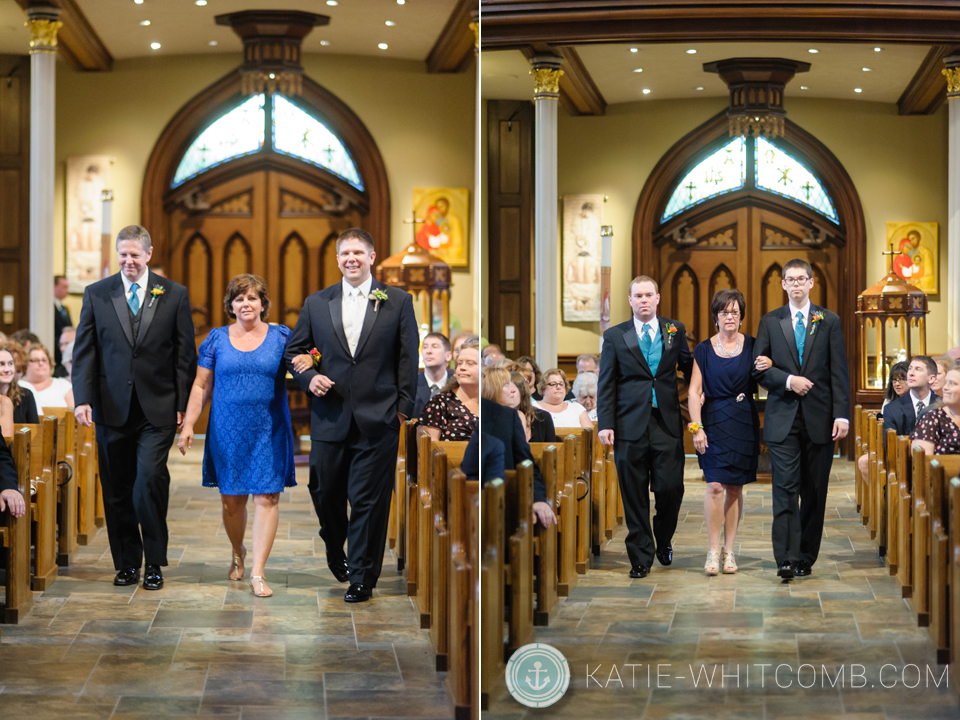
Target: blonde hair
[(494, 380)]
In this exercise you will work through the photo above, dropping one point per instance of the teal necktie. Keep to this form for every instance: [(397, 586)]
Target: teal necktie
[(798, 333), (645, 343), (134, 301)]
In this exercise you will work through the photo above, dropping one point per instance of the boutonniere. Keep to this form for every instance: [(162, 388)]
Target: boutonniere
[(156, 292), (315, 356), (671, 331), (378, 296), (815, 320)]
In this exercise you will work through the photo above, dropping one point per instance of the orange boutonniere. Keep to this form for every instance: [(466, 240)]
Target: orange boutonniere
[(156, 292), (815, 320), (315, 355), (671, 331)]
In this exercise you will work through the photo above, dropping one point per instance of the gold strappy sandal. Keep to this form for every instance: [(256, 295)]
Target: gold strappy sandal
[(264, 591), (237, 565), (712, 565), (729, 563)]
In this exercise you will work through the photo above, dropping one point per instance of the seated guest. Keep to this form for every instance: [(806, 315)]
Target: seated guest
[(457, 342), (67, 337), (491, 355), (49, 391), (539, 424), (565, 413), (944, 363), (585, 392), (10, 497), (13, 364), (902, 414), (504, 424), (508, 389), (25, 339), (531, 373), (436, 353), (453, 414), (588, 363), (68, 354), (897, 385), (938, 430)]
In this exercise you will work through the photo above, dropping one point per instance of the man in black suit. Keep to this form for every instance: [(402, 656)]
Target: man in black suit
[(134, 361), (639, 415), (807, 411), (61, 320), (363, 390), (10, 497), (901, 414), (436, 353)]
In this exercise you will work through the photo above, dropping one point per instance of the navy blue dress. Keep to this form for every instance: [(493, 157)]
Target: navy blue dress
[(249, 447), (729, 415)]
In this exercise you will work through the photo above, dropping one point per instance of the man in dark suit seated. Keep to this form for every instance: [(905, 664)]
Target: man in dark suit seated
[(902, 414), (491, 457), (504, 424), (61, 321), (436, 353), (10, 497)]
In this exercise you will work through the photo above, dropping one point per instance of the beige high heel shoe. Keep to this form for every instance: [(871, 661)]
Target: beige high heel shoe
[(263, 590), (712, 565), (729, 564), (236, 567)]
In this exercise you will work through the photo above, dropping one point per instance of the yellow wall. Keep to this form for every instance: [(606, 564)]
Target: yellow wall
[(423, 125), (898, 165)]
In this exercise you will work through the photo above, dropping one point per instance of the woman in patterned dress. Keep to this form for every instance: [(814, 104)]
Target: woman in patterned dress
[(453, 414), (249, 447), (938, 429)]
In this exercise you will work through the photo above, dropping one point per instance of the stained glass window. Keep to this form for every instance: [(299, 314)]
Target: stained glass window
[(238, 132), (781, 173), (720, 173), (297, 133)]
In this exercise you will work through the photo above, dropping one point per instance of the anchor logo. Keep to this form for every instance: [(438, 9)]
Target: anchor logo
[(536, 671)]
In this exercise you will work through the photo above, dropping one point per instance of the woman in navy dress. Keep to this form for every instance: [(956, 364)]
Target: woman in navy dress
[(249, 447), (725, 424)]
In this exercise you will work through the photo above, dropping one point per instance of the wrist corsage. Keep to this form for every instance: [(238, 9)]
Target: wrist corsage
[(693, 427), (315, 356)]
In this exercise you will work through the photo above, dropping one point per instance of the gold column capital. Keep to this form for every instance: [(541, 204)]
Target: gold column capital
[(546, 81), (44, 22), (475, 27), (953, 81)]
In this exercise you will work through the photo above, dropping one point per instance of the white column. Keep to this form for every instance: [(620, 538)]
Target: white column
[(546, 72), (952, 276), (475, 260), (43, 25)]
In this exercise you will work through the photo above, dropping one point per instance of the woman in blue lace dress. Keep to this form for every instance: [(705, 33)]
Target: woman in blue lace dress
[(249, 446)]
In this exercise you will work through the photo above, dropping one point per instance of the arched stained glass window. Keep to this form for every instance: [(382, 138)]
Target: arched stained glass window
[(238, 132), (779, 172), (720, 173), (297, 133)]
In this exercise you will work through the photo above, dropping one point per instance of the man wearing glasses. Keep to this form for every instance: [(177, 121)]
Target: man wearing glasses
[(807, 411)]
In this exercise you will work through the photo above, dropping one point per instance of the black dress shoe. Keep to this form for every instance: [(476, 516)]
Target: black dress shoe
[(786, 570), (358, 592), (639, 571), (665, 556), (127, 576), (803, 569), (152, 577), (339, 569)]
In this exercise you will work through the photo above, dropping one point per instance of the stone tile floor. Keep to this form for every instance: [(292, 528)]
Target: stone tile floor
[(205, 647), (718, 642)]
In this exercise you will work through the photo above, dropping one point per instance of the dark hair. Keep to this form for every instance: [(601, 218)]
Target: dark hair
[(640, 279), (242, 284), (526, 406), (22, 337), (20, 368), (722, 298), (533, 364), (799, 265), (58, 278), (356, 234), (928, 362), (899, 371), (442, 338)]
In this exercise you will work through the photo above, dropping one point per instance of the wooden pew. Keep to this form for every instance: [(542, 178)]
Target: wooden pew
[(474, 647), (411, 503), (99, 517), (545, 542), (568, 486), (42, 474), (492, 588), (612, 490), (904, 517), (67, 493), (600, 532), (867, 507), (463, 508), (892, 558), (584, 492), (858, 450), (15, 536), (86, 474), (954, 599), (518, 524), (921, 536), (445, 457), (396, 523), (877, 492), (940, 468)]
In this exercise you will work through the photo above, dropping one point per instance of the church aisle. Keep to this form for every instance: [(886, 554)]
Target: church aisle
[(204, 646), (831, 632)]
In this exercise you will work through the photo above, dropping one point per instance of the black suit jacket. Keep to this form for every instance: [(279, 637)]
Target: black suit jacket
[(370, 388), (8, 471), (423, 393), (108, 362), (504, 424), (61, 320), (901, 415), (824, 363), (624, 394)]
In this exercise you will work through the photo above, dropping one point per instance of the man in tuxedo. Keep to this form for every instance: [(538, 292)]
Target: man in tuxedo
[(639, 415), (807, 411), (902, 414), (61, 320), (363, 389), (436, 353), (134, 361)]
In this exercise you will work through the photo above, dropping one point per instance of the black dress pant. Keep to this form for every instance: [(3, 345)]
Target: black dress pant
[(654, 462), (136, 488), (801, 474), (358, 470)]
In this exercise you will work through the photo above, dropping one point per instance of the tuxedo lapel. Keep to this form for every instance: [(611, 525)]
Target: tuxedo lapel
[(123, 312), (150, 310), (809, 341), (786, 324), (336, 317), (369, 318), (633, 343)]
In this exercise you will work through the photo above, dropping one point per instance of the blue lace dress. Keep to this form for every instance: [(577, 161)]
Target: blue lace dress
[(249, 446)]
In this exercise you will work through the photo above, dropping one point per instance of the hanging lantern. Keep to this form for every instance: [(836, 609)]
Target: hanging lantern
[(427, 279)]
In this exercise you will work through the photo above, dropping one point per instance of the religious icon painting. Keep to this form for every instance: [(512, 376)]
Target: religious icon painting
[(582, 220), (916, 253), (444, 231)]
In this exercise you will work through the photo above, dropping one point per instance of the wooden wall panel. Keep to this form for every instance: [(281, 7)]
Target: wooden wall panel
[(15, 191), (293, 279)]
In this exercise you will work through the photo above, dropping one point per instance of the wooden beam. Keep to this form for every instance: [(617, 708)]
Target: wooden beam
[(927, 90), (452, 51), (515, 23), (77, 42), (579, 95)]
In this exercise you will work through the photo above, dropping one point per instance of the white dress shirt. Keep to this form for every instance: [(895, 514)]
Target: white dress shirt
[(141, 290), (654, 327), (439, 385), (914, 399), (355, 301)]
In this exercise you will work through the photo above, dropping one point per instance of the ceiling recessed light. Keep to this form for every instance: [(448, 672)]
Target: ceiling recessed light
[(213, 43), (332, 3), (868, 69), (804, 87), (638, 70), (144, 22), (633, 49), (813, 50), (858, 90), (401, 2), (646, 91), (699, 88), (877, 49), (383, 46), (155, 46), (691, 51), (138, 2), (201, 3), (389, 23), (324, 42)]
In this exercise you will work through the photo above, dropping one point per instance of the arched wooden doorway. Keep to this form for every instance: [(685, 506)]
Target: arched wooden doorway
[(742, 237)]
